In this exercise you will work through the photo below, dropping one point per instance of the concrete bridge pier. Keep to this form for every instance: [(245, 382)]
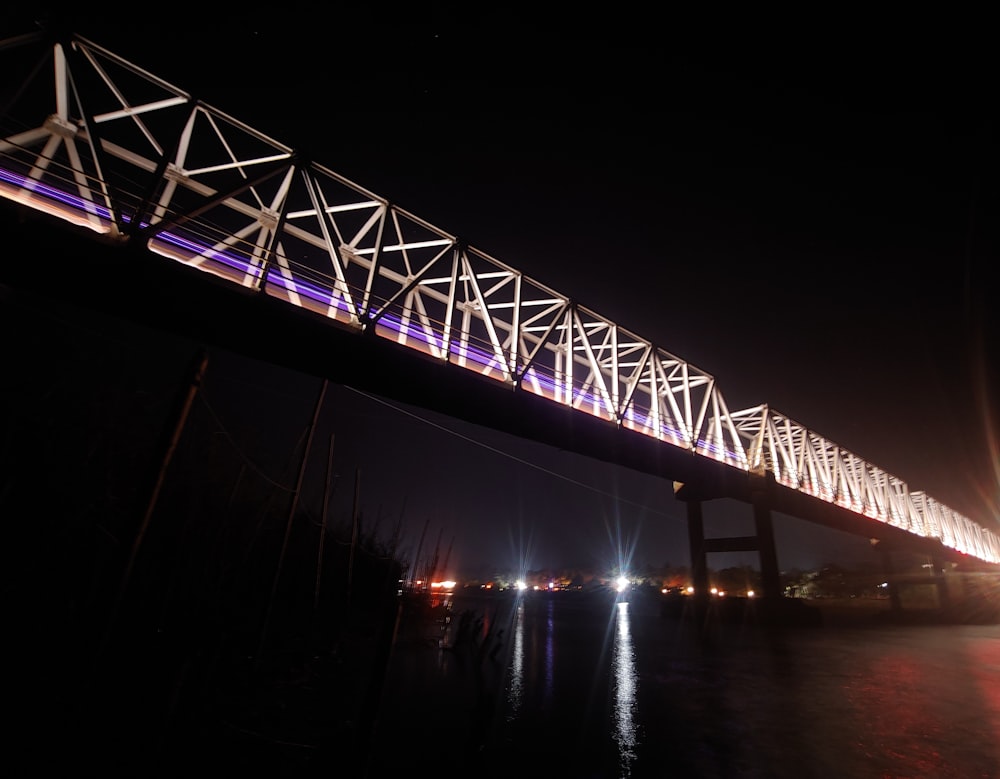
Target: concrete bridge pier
[(944, 595), (696, 544), (762, 542), (899, 582), (770, 574), (885, 554)]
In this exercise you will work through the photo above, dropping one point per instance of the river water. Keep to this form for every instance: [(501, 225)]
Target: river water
[(602, 687)]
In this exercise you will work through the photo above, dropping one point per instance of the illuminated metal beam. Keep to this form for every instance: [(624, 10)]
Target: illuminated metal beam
[(125, 152)]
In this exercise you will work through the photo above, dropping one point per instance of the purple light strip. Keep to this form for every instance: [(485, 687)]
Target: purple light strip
[(36, 187), (410, 331)]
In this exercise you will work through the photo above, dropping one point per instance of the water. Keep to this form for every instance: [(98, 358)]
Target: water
[(591, 687)]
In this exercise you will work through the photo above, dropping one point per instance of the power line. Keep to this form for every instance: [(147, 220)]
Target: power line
[(509, 456), (238, 449)]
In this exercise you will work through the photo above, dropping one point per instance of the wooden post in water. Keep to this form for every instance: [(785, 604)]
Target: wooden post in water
[(355, 530), (323, 519), (197, 376), (416, 556), (288, 524)]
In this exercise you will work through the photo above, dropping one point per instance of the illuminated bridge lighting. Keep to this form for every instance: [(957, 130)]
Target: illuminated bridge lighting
[(420, 333), (461, 306), (27, 191)]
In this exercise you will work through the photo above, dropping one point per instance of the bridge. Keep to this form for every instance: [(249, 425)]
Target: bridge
[(116, 174)]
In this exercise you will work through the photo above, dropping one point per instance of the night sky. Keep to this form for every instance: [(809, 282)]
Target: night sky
[(804, 208)]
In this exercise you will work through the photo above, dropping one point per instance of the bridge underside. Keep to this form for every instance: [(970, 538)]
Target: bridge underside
[(45, 255)]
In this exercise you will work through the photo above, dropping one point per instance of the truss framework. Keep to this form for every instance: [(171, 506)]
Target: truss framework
[(804, 461), (108, 146)]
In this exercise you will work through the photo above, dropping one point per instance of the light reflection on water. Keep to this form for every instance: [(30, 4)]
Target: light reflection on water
[(550, 651), (614, 691), (626, 686), (516, 686), (570, 699)]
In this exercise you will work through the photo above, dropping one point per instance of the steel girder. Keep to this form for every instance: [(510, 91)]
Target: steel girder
[(97, 140), (805, 461)]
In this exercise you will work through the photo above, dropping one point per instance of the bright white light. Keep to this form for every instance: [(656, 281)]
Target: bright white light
[(521, 584), (621, 584), (750, 593), (626, 734)]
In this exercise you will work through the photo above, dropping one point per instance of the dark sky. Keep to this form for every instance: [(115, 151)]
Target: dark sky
[(805, 208)]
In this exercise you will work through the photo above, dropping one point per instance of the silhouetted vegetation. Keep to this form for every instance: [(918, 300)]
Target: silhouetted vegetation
[(166, 598)]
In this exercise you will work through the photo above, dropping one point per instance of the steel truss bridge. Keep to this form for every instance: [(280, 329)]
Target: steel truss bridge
[(129, 159)]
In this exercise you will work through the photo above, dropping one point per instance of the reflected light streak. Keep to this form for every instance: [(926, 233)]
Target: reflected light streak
[(626, 689), (550, 651), (515, 693)]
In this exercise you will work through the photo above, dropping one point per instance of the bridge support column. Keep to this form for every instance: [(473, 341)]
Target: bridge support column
[(895, 604), (696, 543), (769, 573), (944, 596)]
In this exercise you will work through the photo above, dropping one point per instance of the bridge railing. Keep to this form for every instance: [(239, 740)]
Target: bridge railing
[(106, 145)]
